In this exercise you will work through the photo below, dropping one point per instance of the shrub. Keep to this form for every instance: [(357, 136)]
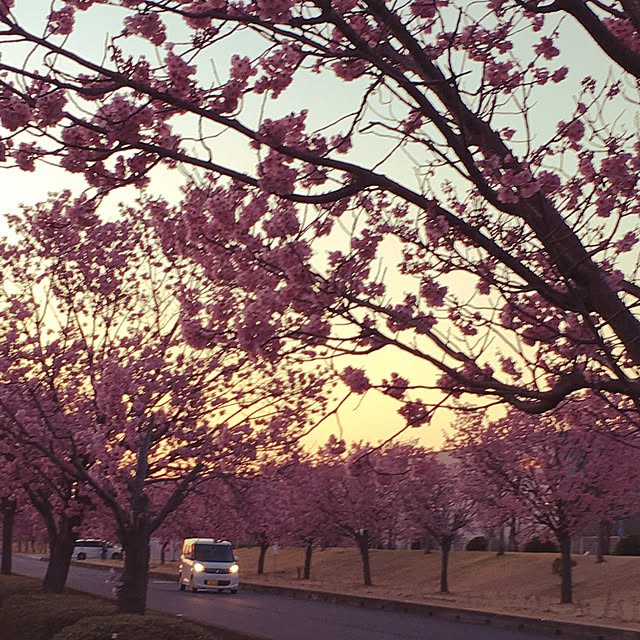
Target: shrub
[(535, 545), (147, 627), (628, 546), (479, 543), (556, 566), (40, 616)]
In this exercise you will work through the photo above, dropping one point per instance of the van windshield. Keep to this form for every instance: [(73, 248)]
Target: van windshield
[(213, 553)]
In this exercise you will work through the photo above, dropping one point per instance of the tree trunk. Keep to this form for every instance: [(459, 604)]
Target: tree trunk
[(163, 552), (263, 551), (445, 547), (62, 524), (566, 588), (308, 550), (132, 591), (391, 541), (513, 541), (363, 545), (603, 540), (427, 543), (61, 550), (501, 541), (8, 518)]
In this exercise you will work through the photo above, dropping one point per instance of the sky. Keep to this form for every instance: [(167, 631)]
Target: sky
[(371, 417)]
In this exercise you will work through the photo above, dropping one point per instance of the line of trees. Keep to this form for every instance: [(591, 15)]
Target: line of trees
[(110, 399), (551, 476)]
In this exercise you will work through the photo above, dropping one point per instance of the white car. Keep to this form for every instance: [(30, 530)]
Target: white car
[(208, 565), (96, 549)]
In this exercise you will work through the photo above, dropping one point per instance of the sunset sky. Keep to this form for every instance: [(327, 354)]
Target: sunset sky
[(371, 417)]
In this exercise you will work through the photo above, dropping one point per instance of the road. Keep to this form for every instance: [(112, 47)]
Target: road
[(279, 617)]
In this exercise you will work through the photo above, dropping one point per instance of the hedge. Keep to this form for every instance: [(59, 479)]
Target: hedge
[(135, 627), (479, 543), (39, 616), (535, 545)]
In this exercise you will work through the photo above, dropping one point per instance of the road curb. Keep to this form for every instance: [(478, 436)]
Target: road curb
[(569, 630)]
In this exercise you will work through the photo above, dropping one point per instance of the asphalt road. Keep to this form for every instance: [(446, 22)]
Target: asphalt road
[(280, 617)]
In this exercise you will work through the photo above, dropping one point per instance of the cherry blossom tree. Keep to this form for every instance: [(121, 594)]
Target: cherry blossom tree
[(439, 206), (103, 375), (434, 500), (274, 502), (553, 471), (303, 524), (60, 501), (354, 497), (493, 508), (209, 513), (62, 504), (259, 498)]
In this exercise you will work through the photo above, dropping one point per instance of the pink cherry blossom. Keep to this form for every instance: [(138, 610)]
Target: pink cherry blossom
[(148, 25), (6, 6), (25, 156), (62, 22), (355, 379), (14, 112), (546, 48)]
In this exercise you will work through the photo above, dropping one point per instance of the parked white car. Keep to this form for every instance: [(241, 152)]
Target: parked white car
[(96, 549), (209, 565)]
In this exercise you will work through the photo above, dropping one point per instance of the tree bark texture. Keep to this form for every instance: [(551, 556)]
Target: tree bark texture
[(263, 552), (60, 553), (445, 547), (363, 545), (9, 507), (603, 539), (308, 550), (132, 591), (566, 588)]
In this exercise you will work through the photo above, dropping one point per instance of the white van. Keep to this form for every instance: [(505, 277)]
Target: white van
[(84, 549), (208, 564)]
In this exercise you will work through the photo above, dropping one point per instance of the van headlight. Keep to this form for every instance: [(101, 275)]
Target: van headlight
[(234, 568), (198, 567)]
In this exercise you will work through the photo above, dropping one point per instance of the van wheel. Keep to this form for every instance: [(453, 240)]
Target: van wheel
[(181, 585), (115, 556), (234, 591), (82, 556), (194, 589)]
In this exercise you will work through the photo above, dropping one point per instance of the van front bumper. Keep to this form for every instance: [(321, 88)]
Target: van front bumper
[(215, 581)]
